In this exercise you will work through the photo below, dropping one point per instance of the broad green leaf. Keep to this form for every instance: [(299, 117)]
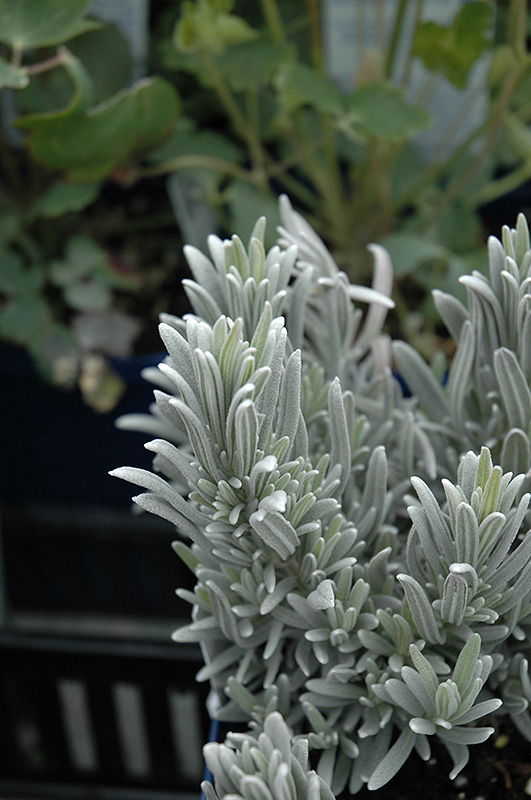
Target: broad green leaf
[(13, 77), (62, 198), (90, 295), (453, 50), (79, 102), (207, 26), (379, 110), (92, 145), (197, 143), (16, 279), (24, 320), (300, 85), (250, 65), (246, 204), (106, 55), (42, 23), (409, 251)]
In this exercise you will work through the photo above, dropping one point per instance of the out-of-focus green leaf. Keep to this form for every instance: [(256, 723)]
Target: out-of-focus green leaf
[(16, 279), (92, 145), (379, 110), (79, 102), (83, 259), (40, 23), (197, 143), (62, 198), (110, 73), (299, 85), (409, 251), (24, 320), (89, 295), (247, 204), (205, 25), (454, 49), (250, 65), (13, 77)]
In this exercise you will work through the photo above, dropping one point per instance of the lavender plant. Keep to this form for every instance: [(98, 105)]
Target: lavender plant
[(348, 620)]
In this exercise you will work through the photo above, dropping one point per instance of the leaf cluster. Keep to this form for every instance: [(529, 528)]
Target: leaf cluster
[(369, 618)]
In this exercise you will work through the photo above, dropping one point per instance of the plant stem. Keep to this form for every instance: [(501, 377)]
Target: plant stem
[(313, 11), (274, 21), (43, 66), (194, 162), (395, 37)]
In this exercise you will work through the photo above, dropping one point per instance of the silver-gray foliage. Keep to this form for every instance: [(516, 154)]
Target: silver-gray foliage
[(339, 612)]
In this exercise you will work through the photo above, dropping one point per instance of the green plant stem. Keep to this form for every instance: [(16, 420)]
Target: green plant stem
[(50, 63), (194, 162), (395, 37), (409, 62), (313, 12), (225, 95), (274, 21), (502, 186), (241, 124)]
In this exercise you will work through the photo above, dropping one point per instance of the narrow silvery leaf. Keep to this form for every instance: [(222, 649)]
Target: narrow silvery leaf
[(435, 517), (290, 398), (452, 311), (490, 306), (454, 599), (160, 507), (458, 382), (516, 451), (421, 610), (402, 696), (199, 439), (223, 613), (467, 736), (180, 353), (421, 381), (339, 435), (275, 531), (202, 302), (177, 458), (420, 685), (267, 403), (246, 435), (211, 386), (425, 669), (203, 270), (147, 480), (379, 299), (297, 308), (466, 534), (393, 761), (514, 391), (464, 669), (477, 711)]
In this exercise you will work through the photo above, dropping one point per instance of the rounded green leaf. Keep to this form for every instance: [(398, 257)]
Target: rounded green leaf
[(300, 85), (92, 145), (62, 197), (378, 109), (41, 23)]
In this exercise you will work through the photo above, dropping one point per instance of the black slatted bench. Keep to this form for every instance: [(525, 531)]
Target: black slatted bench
[(86, 719)]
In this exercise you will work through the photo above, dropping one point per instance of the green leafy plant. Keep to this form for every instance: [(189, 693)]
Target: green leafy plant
[(78, 125), (354, 159), (349, 620), (246, 105)]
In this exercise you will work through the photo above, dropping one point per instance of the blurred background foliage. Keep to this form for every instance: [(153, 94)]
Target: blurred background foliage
[(409, 130)]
